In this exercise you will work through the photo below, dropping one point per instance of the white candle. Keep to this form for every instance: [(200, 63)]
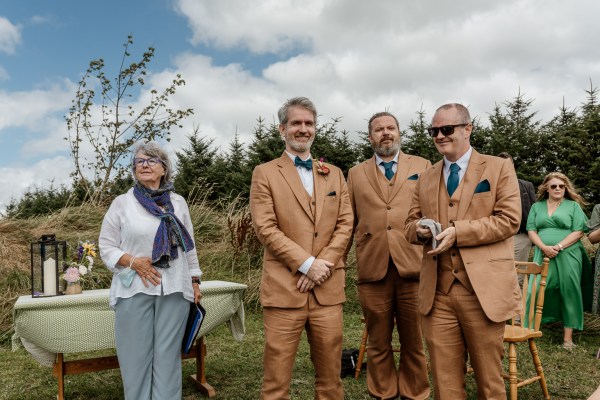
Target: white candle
[(50, 277)]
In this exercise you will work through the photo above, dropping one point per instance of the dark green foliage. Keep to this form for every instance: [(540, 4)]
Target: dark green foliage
[(39, 201), (417, 141)]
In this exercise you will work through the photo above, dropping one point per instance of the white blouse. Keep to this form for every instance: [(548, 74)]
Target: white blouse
[(129, 228)]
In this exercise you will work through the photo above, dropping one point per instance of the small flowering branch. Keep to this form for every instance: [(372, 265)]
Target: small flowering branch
[(321, 167)]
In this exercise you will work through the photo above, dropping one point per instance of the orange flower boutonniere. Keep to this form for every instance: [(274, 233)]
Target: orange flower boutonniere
[(321, 167)]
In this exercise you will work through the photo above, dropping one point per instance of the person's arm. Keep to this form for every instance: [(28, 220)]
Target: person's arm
[(570, 239), (549, 251), (192, 255), (594, 237)]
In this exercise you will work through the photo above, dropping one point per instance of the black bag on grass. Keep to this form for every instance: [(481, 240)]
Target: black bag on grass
[(349, 360)]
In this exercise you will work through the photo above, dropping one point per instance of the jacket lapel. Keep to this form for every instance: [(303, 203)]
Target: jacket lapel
[(470, 181), (320, 186), (290, 174), (434, 188), (404, 162), (370, 169)]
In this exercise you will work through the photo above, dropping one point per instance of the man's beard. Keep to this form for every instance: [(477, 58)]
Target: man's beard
[(386, 150), (298, 146)]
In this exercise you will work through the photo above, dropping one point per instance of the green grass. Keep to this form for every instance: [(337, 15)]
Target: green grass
[(235, 369)]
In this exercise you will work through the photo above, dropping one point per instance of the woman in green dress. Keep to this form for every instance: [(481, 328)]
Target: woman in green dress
[(556, 224)]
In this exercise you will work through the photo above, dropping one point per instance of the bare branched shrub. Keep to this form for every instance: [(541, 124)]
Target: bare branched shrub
[(241, 232)]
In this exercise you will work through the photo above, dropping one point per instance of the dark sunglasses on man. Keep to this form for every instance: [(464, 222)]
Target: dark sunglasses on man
[(446, 130)]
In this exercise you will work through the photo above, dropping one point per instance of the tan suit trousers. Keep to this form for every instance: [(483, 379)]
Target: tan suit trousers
[(382, 301), (457, 325), (283, 330)]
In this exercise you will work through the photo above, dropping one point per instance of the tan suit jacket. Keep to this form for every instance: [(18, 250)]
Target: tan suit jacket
[(485, 226), (292, 227), (379, 218)]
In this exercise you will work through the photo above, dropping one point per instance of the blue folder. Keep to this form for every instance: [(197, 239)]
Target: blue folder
[(195, 318)]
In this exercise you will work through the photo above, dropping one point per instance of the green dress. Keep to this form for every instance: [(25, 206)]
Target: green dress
[(565, 299)]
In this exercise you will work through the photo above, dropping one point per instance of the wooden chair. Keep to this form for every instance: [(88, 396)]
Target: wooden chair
[(529, 328), (363, 348)]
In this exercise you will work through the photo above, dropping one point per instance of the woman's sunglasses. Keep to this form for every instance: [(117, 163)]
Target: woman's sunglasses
[(557, 186)]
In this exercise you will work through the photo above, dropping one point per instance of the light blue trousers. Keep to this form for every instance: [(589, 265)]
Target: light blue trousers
[(148, 334)]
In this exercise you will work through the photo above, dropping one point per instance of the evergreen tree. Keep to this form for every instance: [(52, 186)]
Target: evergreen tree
[(417, 141), (196, 165), (266, 145)]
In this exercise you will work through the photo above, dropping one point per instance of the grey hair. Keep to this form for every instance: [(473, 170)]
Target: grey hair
[(462, 111), (382, 114), (152, 149), (302, 102)]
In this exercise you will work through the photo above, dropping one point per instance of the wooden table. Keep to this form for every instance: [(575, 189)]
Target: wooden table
[(51, 327)]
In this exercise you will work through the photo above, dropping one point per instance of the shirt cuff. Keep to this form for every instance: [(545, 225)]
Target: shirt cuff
[(306, 265)]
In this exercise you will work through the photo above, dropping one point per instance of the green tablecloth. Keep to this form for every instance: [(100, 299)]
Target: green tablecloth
[(85, 322)]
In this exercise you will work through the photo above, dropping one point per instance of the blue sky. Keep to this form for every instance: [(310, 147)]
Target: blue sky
[(242, 59)]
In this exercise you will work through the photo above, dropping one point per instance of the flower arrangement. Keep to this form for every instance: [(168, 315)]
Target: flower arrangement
[(82, 263), (321, 167)]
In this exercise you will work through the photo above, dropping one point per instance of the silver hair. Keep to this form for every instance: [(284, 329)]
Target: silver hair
[(462, 111), (302, 102), (152, 149)]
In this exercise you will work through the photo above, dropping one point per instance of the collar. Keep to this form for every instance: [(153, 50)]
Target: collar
[(462, 162), (293, 156), (378, 159)]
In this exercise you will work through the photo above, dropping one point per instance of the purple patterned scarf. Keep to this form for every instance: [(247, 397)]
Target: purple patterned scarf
[(171, 232)]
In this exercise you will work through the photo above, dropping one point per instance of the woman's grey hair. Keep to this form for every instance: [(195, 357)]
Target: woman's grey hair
[(302, 102), (152, 149)]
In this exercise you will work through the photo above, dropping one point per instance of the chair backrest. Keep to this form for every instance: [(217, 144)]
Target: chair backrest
[(534, 287)]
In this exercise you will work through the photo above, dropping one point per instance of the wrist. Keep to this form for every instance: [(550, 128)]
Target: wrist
[(195, 280), (560, 246)]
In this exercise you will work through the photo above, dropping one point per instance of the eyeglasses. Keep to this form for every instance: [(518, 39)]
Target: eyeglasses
[(139, 162), (557, 186), (446, 130)]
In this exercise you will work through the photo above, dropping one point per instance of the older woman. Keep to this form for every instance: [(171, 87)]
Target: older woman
[(556, 224), (147, 241), (594, 237)]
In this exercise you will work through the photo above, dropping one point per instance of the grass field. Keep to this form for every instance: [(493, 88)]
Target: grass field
[(235, 368)]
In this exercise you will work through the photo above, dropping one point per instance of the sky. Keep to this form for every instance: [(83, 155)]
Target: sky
[(242, 59)]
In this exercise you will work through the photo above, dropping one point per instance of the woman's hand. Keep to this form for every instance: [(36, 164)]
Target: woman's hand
[(197, 293), (144, 268), (549, 251)]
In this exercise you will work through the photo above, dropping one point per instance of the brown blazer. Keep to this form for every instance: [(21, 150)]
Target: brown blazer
[(379, 218), (486, 223), (292, 229)]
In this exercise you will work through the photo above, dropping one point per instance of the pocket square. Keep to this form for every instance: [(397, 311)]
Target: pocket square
[(413, 177), (331, 193), (483, 186)]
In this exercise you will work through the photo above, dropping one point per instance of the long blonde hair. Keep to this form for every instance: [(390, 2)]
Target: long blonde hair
[(570, 191)]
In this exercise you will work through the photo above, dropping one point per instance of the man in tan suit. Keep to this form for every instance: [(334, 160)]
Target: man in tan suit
[(388, 266), (468, 286), (302, 215)]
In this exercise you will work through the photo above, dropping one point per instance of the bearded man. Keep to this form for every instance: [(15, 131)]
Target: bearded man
[(388, 266)]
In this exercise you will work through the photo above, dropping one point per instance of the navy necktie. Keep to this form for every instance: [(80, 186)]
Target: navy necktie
[(452, 183), (304, 164), (389, 172)]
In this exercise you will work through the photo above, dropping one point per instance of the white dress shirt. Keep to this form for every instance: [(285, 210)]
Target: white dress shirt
[(129, 228), (307, 179), (462, 162)]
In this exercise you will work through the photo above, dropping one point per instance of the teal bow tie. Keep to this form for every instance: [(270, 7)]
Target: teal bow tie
[(304, 164)]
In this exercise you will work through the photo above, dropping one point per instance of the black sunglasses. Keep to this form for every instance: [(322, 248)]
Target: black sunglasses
[(555, 186), (446, 130)]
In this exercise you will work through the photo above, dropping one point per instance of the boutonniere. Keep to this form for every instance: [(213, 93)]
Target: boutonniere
[(321, 168)]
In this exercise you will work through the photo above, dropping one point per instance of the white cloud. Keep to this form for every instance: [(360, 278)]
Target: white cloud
[(10, 36), (52, 171)]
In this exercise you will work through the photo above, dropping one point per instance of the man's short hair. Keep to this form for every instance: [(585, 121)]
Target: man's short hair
[(382, 114), (302, 102), (504, 154), (463, 112)]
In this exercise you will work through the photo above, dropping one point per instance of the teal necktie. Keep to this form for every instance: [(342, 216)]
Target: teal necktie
[(389, 172), (304, 164), (452, 183)]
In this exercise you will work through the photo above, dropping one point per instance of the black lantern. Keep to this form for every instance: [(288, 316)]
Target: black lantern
[(47, 259)]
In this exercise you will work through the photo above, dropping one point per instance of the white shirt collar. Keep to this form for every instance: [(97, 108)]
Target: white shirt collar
[(378, 159), (293, 156), (462, 162)]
